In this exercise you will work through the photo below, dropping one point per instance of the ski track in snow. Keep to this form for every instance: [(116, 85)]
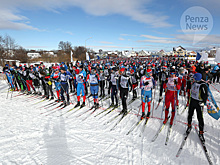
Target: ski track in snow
[(29, 137)]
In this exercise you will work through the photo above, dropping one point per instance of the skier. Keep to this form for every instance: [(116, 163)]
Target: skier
[(94, 79), (64, 77), (134, 81), (189, 83), (215, 72), (80, 81), (28, 79), (162, 76), (55, 77), (102, 83), (107, 74), (146, 84), (114, 87), (124, 83), (172, 84), (199, 95)]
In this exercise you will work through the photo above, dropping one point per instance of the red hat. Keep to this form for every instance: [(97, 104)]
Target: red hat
[(153, 65), (77, 71), (149, 71), (122, 69), (132, 71)]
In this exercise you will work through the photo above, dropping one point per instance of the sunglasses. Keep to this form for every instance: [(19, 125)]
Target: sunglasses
[(172, 73)]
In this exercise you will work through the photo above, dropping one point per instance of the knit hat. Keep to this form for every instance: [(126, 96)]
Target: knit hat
[(149, 71), (197, 76)]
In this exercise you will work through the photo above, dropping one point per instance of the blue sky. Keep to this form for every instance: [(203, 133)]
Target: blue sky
[(149, 25)]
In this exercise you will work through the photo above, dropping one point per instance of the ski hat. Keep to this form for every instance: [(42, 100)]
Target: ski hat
[(197, 76), (164, 67), (122, 69), (77, 71), (149, 71)]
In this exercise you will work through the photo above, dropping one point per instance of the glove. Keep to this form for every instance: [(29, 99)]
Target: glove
[(166, 81), (175, 82), (96, 76), (146, 83), (201, 104), (49, 83)]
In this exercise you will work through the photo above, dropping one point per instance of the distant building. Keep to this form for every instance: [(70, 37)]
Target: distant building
[(179, 51), (50, 53), (126, 53), (34, 55), (144, 53), (212, 52), (191, 54)]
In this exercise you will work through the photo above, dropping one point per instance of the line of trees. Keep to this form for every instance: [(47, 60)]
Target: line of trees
[(10, 50)]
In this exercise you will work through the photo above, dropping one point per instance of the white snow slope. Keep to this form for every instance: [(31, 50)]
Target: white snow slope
[(28, 137)]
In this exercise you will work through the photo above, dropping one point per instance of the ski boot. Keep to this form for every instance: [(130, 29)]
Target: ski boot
[(83, 105), (77, 105), (112, 105), (64, 103), (94, 105), (143, 115), (97, 106), (148, 115), (165, 120), (160, 99)]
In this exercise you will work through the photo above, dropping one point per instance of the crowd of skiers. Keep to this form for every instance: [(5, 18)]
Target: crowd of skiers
[(174, 77)]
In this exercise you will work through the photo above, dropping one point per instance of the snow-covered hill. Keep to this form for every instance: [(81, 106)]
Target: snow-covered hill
[(31, 134)]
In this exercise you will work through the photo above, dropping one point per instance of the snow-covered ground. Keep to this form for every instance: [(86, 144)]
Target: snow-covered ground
[(31, 134)]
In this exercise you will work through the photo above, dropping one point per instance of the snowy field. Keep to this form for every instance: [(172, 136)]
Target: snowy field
[(31, 134)]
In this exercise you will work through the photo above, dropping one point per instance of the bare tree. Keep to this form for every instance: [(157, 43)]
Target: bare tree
[(80, 52), (65, 46), (21, 54)]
